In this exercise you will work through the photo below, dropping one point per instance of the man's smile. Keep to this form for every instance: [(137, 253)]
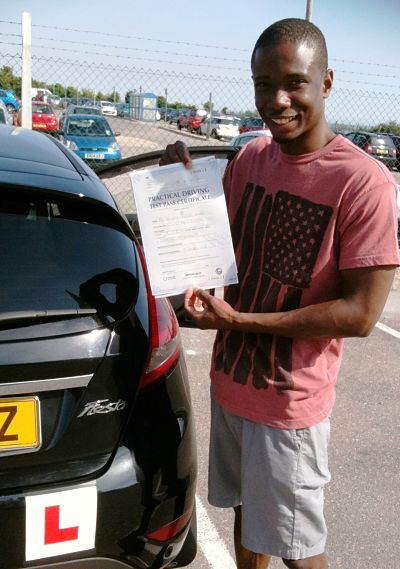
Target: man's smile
[(282, 120)]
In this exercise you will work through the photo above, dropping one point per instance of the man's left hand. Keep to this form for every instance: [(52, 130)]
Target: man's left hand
[(207, 311)]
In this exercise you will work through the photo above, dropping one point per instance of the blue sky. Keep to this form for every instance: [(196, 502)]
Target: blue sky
[(364, 31), (362, 35)]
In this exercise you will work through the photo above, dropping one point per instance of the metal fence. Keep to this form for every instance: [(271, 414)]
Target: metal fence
[(346, 108)]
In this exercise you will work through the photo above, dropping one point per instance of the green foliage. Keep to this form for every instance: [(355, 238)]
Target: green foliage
[(392, 126), (10, 81)]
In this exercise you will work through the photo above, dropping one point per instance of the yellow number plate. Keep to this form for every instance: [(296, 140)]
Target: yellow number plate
[(19, 424)]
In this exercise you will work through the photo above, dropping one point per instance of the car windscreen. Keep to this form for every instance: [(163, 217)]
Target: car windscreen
[(89, 127), (45, 109), (381, 139), (226, 121), (58, 255)]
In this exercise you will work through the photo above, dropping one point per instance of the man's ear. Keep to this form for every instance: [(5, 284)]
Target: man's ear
[(327, 83)]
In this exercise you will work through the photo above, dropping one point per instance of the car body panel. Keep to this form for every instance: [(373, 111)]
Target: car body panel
[(79, 133), (245, 137), (43, 117), (220, 127), (250, 123), (108, 108), (10, 99), (75, 333)]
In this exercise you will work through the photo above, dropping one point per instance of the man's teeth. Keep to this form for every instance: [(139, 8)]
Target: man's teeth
[(283, 120)]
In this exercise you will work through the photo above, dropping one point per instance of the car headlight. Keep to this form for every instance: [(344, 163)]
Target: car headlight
[(114, 146), (71, 145)]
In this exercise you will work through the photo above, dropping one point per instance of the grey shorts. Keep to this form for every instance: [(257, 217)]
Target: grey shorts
[(277, 476)]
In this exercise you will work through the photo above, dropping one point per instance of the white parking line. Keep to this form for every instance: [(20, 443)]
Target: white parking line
[(388, 330), (210, 542)]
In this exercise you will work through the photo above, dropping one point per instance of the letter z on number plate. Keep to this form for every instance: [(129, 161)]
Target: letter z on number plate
[(20, 425)]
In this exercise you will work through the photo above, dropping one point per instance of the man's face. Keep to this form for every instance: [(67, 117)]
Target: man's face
[(290, 89)]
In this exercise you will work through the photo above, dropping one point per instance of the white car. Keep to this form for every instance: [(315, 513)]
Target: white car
[(242, 139), (108, 108), (221, 127)]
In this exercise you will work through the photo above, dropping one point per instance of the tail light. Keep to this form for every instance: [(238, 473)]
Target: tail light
[(394, 152), (170, 530), (368, 148), (165, 345)]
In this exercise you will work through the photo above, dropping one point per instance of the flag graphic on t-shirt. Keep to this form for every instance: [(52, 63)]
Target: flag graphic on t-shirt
[(282, 236)]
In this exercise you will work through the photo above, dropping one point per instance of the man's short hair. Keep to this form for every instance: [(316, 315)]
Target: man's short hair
[(297, 31)]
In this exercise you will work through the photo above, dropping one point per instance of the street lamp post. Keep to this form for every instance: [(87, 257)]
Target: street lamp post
[(309, 10)]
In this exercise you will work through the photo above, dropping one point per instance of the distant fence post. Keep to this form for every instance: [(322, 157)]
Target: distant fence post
[(26, 98), (210, 107)]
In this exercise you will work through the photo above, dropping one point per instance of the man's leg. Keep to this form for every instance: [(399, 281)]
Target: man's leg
[(316, 562), (246, 559)]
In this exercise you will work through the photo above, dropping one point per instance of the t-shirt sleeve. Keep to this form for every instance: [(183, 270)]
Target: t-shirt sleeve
[(368, 229)]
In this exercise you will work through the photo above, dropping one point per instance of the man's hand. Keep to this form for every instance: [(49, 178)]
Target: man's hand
[(207, 311), (177, 152)]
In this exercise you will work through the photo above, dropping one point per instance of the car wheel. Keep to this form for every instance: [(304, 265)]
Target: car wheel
[(179, 126), (214, 134)]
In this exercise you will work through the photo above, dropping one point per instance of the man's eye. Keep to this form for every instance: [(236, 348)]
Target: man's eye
[(297, 82)]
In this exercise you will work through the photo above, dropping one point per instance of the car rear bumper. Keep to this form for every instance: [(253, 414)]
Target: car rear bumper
[(148, 486)]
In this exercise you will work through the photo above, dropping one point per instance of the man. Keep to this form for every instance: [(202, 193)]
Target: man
[(314, 229)]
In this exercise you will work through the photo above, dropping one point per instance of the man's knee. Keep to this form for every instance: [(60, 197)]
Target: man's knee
[(316, 562)]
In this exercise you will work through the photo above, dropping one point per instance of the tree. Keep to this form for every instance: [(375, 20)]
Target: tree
[(161, 101), (392, 126)]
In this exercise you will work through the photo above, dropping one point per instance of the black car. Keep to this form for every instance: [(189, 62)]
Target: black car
[(396, 142), (97, 449), (377, 145)]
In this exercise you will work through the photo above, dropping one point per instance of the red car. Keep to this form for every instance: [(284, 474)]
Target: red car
[(251, 123), (43, 117), (192, 120)]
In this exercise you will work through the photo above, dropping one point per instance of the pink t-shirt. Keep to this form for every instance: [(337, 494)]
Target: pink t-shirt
[(296, 221)]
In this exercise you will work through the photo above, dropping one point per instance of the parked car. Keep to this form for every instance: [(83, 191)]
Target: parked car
[(123, 109), (174, 114), (242, 139), (10, 100), (98, 458), (55, 100), (396, 142), (108, 108), (43, 117), (377, 145), (250, 123), (192, 120), (78, 110), (5, 116), (91, 138), (220, 127)]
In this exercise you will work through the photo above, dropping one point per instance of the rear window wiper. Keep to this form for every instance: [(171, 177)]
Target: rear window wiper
[(36, 316)]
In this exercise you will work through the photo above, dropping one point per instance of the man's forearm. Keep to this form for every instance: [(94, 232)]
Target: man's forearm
[(333, 319)]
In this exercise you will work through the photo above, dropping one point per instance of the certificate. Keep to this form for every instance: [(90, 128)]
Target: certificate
[(184, 226)]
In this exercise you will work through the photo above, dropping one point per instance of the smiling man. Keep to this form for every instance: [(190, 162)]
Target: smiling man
[(313, 222)]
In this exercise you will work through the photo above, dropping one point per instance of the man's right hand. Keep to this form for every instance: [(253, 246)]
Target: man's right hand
[(177, 152)]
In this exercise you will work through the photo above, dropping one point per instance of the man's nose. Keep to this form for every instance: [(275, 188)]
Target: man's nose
[(280, 99)]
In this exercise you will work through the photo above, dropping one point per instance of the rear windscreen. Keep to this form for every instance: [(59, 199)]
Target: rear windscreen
[(58, 254), (381, 140)]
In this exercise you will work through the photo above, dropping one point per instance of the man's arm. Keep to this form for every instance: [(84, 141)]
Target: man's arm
[(355, 313)]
